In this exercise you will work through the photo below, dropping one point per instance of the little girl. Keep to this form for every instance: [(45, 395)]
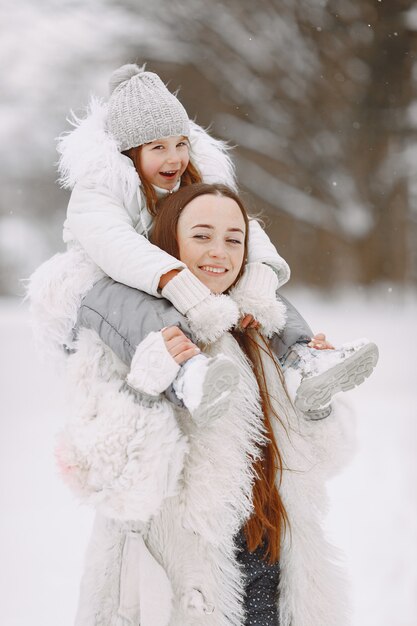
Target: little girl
[(119, 161)]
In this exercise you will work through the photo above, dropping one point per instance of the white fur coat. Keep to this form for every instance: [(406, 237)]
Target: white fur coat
[(171, 497)]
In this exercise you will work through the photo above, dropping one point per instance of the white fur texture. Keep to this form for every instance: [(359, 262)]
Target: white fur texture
[(255, 294), (187, 490), (212, 158), (123, 456), (312, 590), (191, 533), (89, 151), (210, 319), (55, 291), (269, 312)]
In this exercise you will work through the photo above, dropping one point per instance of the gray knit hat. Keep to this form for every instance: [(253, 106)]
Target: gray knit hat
[(141, 109)]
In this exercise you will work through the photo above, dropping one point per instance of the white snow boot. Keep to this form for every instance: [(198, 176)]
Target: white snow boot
[(313, 376), (205, 385)]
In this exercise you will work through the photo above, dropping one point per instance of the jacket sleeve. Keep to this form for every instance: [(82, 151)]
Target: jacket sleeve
[(103, 227), (122, 317), (262, 250)]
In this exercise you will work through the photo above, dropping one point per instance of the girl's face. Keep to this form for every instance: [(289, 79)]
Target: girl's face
[(211, 240), (163, 162)]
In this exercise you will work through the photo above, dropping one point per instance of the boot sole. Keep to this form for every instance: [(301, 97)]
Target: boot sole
[(220, 382), (316, 392)]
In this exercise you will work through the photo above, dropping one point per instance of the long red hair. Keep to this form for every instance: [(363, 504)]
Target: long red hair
[(269, 519)]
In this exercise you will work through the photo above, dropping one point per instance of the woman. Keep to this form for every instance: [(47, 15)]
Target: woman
[(199, 524)]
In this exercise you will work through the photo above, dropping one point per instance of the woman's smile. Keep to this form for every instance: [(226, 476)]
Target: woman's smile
[(211, 240), (213, 270)]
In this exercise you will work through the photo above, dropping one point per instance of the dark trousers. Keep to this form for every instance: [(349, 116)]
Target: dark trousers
[(261, 585)]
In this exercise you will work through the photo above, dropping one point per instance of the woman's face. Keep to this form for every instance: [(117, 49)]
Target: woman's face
[(211, 240)]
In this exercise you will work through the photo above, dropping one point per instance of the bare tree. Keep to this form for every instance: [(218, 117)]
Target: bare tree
[(312, 93)]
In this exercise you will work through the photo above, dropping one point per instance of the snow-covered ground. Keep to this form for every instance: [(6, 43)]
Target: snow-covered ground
[(374, 502)]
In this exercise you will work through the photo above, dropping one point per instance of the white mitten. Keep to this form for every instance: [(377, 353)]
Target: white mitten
[(209, 315), (153, 369), (255, 294)]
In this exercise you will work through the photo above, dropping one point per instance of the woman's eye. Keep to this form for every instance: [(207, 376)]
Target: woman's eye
[(200, 237), (181, 144), (234, 241), (157, 147)]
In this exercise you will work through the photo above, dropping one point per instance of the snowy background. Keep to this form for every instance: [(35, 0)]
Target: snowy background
[(319, 97), (373, 514)]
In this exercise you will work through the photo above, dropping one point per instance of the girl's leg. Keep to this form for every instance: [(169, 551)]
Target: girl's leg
[(124, 317), (295, 330), (313, 376)]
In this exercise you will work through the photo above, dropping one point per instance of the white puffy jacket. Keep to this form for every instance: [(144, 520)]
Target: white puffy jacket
[(107, 214), (107, 224)]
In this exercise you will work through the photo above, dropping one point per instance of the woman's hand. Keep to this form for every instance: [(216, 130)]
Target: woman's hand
[(178, 345), (319, 342)]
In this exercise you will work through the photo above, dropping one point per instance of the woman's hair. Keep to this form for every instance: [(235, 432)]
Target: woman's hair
[(190, 176), (269, 519), (169, 209), (265, 526)]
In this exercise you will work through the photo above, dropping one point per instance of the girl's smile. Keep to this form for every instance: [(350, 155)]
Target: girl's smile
[(164, 161)]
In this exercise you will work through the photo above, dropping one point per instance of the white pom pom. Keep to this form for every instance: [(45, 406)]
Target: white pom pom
[(212, 317), (122, 74)]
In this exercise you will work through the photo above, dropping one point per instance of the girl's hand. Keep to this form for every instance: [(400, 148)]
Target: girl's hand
[(178, 345), (319, 342), (248, 321)]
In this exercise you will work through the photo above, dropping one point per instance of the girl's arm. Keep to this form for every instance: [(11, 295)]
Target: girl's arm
[(255, 293), (103, 227), (262, 250)]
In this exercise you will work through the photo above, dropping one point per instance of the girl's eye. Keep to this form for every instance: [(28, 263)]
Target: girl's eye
[(234, 241), (157, 147), (200, 237), (181, 144)]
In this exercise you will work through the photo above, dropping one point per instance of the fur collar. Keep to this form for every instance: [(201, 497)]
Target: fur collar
[(88, 150)]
